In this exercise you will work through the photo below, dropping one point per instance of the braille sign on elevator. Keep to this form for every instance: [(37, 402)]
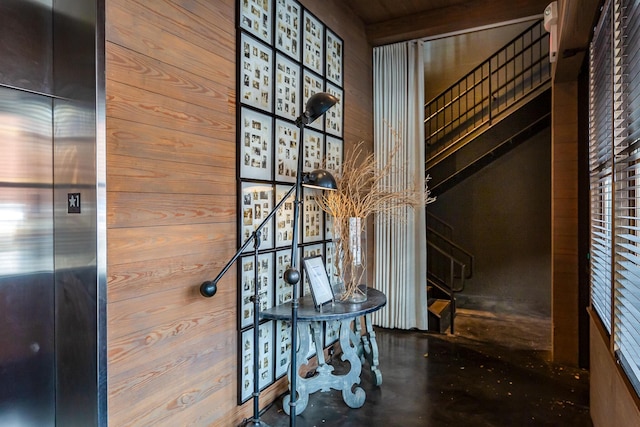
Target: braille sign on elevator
[(73, 203)]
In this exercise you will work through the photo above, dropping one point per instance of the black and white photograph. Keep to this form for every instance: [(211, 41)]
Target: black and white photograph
[(283, 347), (334, 155), (287, 140), (288, 33), (312, 217), (334, 58), (284, 291), (255, 79), (255, 205), (313, 41), (248, 267), (287, 88), (284, 217), (313, 150), (256, 147), (333, 117), (312, 84), (255, 18)]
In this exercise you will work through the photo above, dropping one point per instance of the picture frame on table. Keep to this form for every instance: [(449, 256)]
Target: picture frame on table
[(316, 274), (309, 251), (255, 74)]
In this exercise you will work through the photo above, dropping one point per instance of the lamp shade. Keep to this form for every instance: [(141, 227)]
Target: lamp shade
[(317, 105), (320, 179)]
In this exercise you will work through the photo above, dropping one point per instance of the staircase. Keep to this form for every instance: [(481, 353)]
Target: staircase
[(499, 104), (448, 266)]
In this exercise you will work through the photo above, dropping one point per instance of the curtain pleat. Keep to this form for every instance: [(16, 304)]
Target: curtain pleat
[(401, 254)]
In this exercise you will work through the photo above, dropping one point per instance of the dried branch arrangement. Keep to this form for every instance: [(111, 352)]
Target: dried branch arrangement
[(365, 188)]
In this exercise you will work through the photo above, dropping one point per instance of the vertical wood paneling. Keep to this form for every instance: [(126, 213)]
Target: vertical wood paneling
[(171, 203), (564, 223)]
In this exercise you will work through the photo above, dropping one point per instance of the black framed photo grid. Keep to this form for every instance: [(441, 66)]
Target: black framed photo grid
[(285, 54)]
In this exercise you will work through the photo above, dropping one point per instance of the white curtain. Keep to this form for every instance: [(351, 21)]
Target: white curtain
[(401, 253)]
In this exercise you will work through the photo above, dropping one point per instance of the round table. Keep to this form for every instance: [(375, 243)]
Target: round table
[(356, 347)]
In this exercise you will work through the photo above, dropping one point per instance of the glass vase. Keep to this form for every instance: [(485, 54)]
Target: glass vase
[(350, 236)]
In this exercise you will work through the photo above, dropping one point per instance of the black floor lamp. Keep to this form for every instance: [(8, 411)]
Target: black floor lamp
[(316, 106)]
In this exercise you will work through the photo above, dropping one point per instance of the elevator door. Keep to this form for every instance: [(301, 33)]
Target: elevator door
[(27, 350)]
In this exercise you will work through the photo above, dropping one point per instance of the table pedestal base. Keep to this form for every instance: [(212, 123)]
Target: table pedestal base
[(357, 348)]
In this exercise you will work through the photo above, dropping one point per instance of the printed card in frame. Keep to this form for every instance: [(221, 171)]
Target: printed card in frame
[(256, 156), (334, 155), (284, 217), (312, 84), (316, 274), (334, 58), (333, 117), (287, 140), (255, 18), (265, 285), (255, 204), (308, 252), (313, 43), (255, 78), (287, 88), (288, 31)]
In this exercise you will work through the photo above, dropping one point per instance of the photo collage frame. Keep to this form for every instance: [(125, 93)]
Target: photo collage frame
[(285, 54)]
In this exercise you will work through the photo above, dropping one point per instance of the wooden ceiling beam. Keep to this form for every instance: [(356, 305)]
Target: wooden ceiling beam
[(575, 26), (452, 18)]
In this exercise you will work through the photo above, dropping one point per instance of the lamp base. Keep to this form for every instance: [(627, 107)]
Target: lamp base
[(255, 423)]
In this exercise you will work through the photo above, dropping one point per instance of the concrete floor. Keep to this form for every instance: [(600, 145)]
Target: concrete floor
[(494, 371)]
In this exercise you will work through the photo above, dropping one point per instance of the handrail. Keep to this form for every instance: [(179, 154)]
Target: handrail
[(445, 225), (453, 262), (458, 248), (518, 69)]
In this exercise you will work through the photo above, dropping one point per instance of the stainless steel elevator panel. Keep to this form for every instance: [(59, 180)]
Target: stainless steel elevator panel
[(27, 352)]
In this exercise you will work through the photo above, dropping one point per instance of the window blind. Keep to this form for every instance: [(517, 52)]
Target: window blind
[(601, 167), (626, 111)]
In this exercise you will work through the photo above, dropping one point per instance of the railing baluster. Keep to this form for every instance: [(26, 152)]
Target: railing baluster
[(506, 77)]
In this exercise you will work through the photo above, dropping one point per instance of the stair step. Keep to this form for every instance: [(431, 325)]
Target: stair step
[(439, 315), (438, 306)]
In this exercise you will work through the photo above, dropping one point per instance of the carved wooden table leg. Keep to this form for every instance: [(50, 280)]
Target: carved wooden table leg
[(371, 350)]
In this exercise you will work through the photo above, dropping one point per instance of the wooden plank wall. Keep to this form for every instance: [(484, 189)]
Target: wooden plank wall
[(171, 203)]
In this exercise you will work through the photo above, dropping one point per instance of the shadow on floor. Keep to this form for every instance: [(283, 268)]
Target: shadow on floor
[(494, 371)]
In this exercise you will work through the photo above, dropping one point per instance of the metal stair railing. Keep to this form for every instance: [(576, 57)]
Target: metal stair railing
[(509, 76), (447, 284), (439, 233)]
